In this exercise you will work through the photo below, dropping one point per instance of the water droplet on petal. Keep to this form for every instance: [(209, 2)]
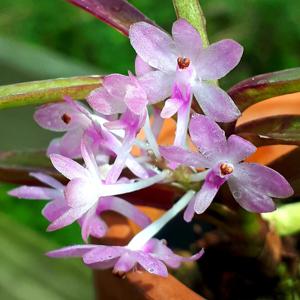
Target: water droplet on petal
[(237, 194)]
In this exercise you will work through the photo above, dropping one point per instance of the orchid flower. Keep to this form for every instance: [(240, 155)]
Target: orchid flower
[(123, 95), (183, 68), (86, 191), (70, 117), (252, 185), (91, 222), (151, 254)]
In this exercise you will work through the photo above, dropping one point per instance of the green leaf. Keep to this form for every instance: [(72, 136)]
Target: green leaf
[(191, 11), (45, 91), (284, 130), (285, 218), (117, 13), (15, 166), (265, 86), (289, 166)]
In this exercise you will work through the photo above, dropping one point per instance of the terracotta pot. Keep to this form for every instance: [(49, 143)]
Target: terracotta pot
[(141, 285)]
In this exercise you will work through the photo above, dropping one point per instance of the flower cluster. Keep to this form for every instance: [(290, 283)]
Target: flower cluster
[(173, 70)]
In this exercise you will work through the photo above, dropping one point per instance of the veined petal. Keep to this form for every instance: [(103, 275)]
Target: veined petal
[(187, 39), (184, 157), (157, 85), (72, 251), (153, 45), (208, 191), (124, 208), (47, 180), (81, 193), (125, 263), (34, 193), (238, 148), (103, 253), (215, 102), (215, 61), (141, 67), (136, 99), (103, 102), (170, 108), (208, 137), (68, 167)]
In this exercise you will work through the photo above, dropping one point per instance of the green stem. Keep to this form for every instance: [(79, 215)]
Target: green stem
[(191, 11)]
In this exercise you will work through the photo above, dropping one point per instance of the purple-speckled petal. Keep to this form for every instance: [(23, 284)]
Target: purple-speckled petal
[(116, 85), (136, 99), (184, 157), (187, 39), (124, 208), (141, 67), (68, 167), (218, 59), (208, 191), (125, 263), (215, 102), (157, 85), (154, 46), (208, 137), (103, 253), (34, 193), (238, 148), (71, 251)]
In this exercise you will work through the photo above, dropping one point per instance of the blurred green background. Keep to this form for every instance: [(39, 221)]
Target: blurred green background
[(49, 39)]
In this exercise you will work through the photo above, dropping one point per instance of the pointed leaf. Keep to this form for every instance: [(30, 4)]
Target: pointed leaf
[(116, 13), (265, 86), (284, 130), (45, 91), (288, 165)]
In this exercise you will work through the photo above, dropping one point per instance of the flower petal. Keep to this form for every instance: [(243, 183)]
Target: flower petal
[(153, 45), (208, 191), (187, 39), (136, 99), (218, 59), (34, 193), (103, 253), (81, 192), (54, 209), (215, 102), (70, 216), (189, 211), (125, 263), (68, 167), (141, 67), (151, 264), (157, 85), (47, 180), (50, 117), (101, 101), (170, 108), (238, 148), (184, 157), (208, 137), (72, 251), (116, 85), (124, 208)]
